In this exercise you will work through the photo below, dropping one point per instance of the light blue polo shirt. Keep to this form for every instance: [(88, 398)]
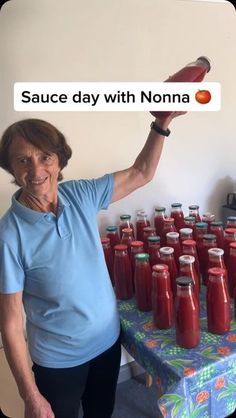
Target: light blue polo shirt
[(59, 264)]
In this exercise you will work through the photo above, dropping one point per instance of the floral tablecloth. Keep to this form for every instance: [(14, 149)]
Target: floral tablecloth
[(198, 382)]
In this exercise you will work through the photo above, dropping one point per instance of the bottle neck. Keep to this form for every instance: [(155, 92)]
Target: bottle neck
[(184, 291)]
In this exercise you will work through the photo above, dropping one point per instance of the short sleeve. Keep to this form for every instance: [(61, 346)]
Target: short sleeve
[(104, 188), (96, 192), (11, 270)]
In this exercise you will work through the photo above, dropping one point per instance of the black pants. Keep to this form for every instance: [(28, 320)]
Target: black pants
[(93, 383)]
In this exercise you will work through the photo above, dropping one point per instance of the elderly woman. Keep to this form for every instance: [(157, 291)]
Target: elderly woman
[(52, 263)]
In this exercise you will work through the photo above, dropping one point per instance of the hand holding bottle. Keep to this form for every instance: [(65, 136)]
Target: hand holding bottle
[(192, 72)]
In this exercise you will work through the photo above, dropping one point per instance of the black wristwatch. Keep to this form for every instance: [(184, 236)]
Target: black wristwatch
[(155, 127)]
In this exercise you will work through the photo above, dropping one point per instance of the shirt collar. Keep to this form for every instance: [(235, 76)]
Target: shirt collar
[(34, 216)]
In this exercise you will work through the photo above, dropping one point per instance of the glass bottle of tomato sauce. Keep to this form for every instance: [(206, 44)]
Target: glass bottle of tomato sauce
[(229, 236), (159, 218), (136, 247), (168, 226), (153, 243), (167, 257), (143, 282), (186, 314), (148, 231), (127, 237), (193, 72), (208, 217), (122, 273), (178, 215), (231, 268), (216, 259), (187, 268), (162, 297), (231, 222), (172, 240), (190, 222), (200, 230), (112, 234), (209, 241), (185, 233), (109, 257), (216, 228), (217, 302), (125, 222), (194, 211), (234, 302), (141, 221), (189, 247)]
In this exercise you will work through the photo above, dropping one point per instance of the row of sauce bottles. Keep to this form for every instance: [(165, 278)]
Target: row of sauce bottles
[(186, 263)]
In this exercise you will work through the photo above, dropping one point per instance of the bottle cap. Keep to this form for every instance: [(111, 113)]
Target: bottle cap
[(127, 230), (160, 267), (120, 247), (189, 218), (231, 218), (187, 259), (193, 207), (176, 205), (209, 237), (208, 216), (185, 231), (111, 228), (142, 213), (230, 231), (166, 250), (136, 244), (154, 238), (124, 217), (184, 281), (216, 251), (141, 257), (206, 61), (172, 234), (105, 240), (139, 211), (169, 220), (201, 225), (160, 209), (216, 223), (189, 242)]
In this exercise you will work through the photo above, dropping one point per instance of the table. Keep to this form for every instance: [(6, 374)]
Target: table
[(198, 382)]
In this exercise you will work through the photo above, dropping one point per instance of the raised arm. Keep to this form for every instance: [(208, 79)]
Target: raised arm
[(144, 167), (15, 347)]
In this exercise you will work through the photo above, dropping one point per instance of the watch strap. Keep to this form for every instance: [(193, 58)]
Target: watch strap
[(159, 130)]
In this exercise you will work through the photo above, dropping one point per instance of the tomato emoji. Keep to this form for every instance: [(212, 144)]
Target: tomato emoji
[(203, 96)]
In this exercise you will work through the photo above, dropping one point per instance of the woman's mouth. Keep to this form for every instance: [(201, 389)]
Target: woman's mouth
[(38, 181)]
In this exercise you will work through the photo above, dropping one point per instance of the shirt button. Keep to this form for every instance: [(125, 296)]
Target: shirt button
[(49, 217)]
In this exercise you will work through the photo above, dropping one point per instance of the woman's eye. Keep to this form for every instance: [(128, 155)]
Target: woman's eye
[(24, 160), (47, 157)]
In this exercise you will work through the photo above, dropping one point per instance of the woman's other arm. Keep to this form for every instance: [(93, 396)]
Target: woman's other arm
[(15, 347)]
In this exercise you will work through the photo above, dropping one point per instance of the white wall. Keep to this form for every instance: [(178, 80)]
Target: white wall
[(129, 40)]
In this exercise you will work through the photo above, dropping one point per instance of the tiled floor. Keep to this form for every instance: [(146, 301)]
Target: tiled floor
[(134, 400)]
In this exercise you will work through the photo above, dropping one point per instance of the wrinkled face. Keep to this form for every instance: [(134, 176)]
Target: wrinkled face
[(36, 171)]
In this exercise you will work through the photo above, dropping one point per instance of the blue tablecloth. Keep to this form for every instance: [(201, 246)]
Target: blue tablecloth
[(198, 382)]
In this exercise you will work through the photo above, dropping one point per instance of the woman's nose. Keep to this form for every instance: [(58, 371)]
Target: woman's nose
[(35, 168)]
